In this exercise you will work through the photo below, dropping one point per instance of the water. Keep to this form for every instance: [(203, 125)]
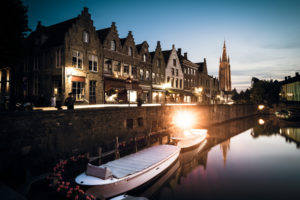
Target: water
[(242, 160)]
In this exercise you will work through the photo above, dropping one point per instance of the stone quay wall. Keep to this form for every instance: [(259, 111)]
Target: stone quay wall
[(39, 138)]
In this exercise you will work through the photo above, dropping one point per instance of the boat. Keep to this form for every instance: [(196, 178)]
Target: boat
[(291, 114), (129, 172), (191, 138)]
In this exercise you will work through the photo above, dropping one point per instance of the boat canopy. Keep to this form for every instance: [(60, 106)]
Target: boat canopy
[(139, 161)]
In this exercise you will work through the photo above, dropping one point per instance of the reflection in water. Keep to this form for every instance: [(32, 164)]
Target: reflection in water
[(260, 164)]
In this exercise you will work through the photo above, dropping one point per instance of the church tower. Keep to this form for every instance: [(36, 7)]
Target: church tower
[(224, 71)]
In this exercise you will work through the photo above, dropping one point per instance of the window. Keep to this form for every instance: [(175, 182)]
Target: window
[(153, 77), (188, 70), (173, 71), (130, 51), (113, 45), (117, 67), (93, 63), (35, 63), (174, 62), (158, 63), (168, 79), (185, 71), (129, 123), (172, 82), (140, 121), (107, 67), (78, 90), (134, 72), (144, 57), (126, 69), (176, 72), (141, 74), (147, 75), (35, 85), (85, 37), (77, 59), (92, 91), (176, 83), (59, 58), (157, 78), (180, 84)]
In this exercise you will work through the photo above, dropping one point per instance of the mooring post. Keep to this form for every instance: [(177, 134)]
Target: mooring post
[(117, 154), (135, 145), (99, 155)]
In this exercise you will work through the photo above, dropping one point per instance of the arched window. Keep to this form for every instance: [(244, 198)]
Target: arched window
[(130, 51), (144, 58), (113, 45), (86, 37)]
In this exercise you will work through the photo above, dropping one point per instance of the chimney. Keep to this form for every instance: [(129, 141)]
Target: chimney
[(297, 74), (289, 77), (179, 51), (285, 78), (185, 55)]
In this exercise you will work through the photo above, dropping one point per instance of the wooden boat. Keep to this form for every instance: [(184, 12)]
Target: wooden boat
[(129, 172), (191, 138)]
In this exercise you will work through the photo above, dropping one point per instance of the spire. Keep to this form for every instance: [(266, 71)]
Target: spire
[(224, 55)]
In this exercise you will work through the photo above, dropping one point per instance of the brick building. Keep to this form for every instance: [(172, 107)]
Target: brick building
[(63, 58)]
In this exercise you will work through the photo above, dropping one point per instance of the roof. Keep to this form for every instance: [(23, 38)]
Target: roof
[(139, 47), (290, 79), (166, 55), (122, 40), (102, 33), (55, 33), (152, 54)]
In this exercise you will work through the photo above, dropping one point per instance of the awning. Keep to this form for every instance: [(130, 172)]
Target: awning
[(176, 91), (78, 78)]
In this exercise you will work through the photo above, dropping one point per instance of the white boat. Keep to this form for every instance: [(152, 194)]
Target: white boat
[(129, 172), (190, 138)]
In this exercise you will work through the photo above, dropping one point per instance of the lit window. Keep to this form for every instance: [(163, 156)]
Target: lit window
[(77, 59), (144, 58), (93, 63), (78, 89), (113, 45), (141, 74), (130, 51), (85, 37), (147, 75), (153, 77)]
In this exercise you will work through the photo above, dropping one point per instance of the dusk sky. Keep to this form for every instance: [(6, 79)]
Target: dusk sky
[(262, 36)]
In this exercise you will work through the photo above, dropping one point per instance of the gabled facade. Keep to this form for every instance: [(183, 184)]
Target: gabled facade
[(174, 76), (158, 75), (120, 66), (63, 58), (145, 71)]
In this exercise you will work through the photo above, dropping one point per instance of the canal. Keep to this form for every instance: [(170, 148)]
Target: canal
[(253, 158)]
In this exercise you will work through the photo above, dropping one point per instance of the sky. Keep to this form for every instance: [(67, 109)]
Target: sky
[(262, 36)]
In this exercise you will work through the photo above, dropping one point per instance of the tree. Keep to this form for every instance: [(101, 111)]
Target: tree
[(14, 25)]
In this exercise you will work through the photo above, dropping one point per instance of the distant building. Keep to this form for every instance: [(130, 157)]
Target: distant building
[(224, 72), (174, 76), (158, 75), (290, 88), (190, 73)]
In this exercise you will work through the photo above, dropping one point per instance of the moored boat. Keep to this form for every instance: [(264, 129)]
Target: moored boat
[(129, 172), (190, 138)]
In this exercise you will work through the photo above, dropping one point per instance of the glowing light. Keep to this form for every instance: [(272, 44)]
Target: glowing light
[(261, 107), (183, 120), (69, 71), (55, 90), (261, 121), (166, 85)]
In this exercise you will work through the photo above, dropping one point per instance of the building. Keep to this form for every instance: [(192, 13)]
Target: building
[(290, 88), (174, 76), (224, 71), (63, 58), (120, 66), (190, 73), (158, 75), (203, 83)]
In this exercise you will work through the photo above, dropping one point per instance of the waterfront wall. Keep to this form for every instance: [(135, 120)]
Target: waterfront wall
[(39, 138)]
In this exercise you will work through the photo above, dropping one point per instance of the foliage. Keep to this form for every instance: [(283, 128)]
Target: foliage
[(14, 23)]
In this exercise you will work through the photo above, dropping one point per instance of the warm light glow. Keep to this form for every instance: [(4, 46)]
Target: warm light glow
[(112, 98), (261, 121), (69, 71), (261, 107), (290, 94), (55, 91), (154, 94), (183, 120), (198, 90), (166, 85), (160, 94)]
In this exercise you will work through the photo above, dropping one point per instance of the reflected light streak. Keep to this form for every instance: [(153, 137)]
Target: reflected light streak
[(183, 120), (261, 121)]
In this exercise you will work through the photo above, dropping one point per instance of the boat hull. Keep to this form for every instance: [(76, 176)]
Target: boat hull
[(132, 181)]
